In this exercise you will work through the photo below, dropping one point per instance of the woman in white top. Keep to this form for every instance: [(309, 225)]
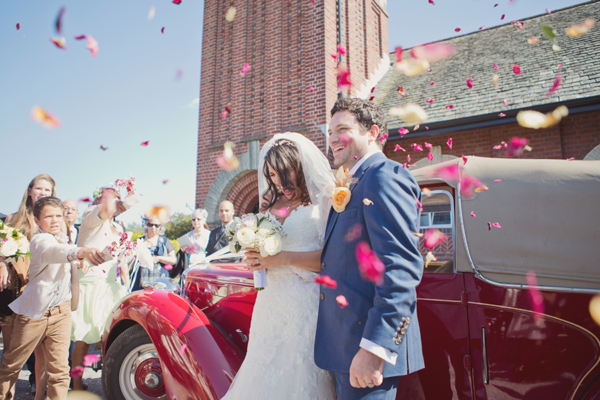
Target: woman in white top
[(196, 240)]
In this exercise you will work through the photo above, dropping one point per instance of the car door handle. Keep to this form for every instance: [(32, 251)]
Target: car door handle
[(486, 372)]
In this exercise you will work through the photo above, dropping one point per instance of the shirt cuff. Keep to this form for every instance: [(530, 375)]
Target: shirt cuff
[(381, 352)]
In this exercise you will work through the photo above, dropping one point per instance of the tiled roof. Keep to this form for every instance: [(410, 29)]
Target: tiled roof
[(506, 46)]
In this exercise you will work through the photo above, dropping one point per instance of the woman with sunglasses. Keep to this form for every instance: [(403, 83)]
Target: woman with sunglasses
[(161, 249)]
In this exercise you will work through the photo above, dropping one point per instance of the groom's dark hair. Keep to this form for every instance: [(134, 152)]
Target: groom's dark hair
[(367, 113)]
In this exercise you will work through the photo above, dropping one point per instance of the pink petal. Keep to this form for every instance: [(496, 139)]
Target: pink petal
[(516, 69), (77, 371), (408, 158), (383, 137), (449, 143), (497, 180), (18, 26), (144, 144), (431, 83), (168, 267), (341, 49), (371, 98), (432, 2), (560, 65), (85, 200), (495, 67), (399, 148), (58, 22), (535, 294), (334, 56), (178, 2), (516, 146), (370, 266), (426, 127), (224, 115), (496, 225), (501, 115), (570, 158), (311, 89), (456, 29), (548, 11), (372, 89), (433, 237), (502, 17), (343, 79), (449, 106), (473, 214), (418, 148), (92, 45), (326, 281), (419, 205), (245, 68), (470, 83), (182, 349), (430, 100), (555, 85), (496, 5), (464, 160), (489, 226), (428, 145), (89, 359), (482, 27), (162, 30), (430, 156), (165, 181), (341, 300), (505, 103), (403, 131), (434, 52), (398, 51)]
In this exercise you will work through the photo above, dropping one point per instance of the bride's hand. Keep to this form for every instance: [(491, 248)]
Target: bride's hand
[(256, 262)]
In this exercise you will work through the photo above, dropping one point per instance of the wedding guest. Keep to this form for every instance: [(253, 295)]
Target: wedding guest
[(218, 238), (43, 311), (196, 240), (14, 276), (71, 214), (102, 287), (161, 249)]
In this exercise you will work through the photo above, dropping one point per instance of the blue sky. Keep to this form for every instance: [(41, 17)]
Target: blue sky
[(130, 92)]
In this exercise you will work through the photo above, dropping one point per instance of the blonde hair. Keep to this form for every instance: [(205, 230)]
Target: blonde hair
[(23, 219)]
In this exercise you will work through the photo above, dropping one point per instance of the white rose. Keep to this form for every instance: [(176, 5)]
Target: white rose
[(245, 237), (249, 221), (23, 245), (9, 248), (273, 245)]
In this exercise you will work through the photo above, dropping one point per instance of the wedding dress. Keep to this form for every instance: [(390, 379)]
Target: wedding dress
[(280, 362)]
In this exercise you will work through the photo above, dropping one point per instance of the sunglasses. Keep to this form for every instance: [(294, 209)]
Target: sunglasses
[(153, 225)]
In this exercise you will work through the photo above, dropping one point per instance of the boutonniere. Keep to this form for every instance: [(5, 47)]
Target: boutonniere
[(341, 194)]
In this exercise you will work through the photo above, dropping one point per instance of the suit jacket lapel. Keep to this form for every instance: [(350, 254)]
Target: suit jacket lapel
[(333, 215)]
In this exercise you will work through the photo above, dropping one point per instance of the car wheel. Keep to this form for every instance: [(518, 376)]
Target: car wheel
[(132, 369)]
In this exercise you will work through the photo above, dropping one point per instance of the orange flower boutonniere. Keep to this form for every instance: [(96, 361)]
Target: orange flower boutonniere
[(341, 194)]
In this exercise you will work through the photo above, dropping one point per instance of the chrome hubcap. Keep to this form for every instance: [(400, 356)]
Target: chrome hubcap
[(140, 375)]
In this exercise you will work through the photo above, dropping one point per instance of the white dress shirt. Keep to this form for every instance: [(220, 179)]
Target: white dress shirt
[(49, 276), (379, 351)]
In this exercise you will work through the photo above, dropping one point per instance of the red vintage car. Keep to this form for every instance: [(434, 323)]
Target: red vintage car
[(483, 338)]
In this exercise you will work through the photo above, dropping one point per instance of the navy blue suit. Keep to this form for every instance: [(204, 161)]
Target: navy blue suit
[(387, 314)]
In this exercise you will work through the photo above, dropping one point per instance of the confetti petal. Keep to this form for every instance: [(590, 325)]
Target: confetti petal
[(430, 100), (430, 156), (535, 294), (495, 67), (456, 29), (18, 26), (473, 214), (533, 40), (369, 265), (151, 13), (103, 148), (428, 145), (343, 79), (453, 174), (496, 225), (160, 212), (228, 161), (311, 89), (90, 359), (245, 68), (144, 144), (367, 202), (516, 146), (449, 106), (85, 200), (398, 147), (162, 30), (411, 113), (165, 181), (77, 371), (44, 118), (403, 131), (326, 281), (502, 115), (470, 83), (434, 52), (516, 69), (412, 66), (398, 51), (555, 85), (464, 160), (58, 22), (502, 17), (230, 15), (581, 29), (178, 2), (340, 49), (401, 91), (433, 237), (341, 300), (536, 120), (59, 42), (449, 143), (429, 258)]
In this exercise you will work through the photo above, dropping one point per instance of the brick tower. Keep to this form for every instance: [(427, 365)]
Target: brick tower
[(291, 85)]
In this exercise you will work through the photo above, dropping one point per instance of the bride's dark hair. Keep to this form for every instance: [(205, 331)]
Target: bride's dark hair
[(284, 158)]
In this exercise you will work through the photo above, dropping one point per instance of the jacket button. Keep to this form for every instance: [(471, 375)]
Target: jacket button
[(322, 266), (322, 296)]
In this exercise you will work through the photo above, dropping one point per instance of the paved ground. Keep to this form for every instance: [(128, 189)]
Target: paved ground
[(90, 377)]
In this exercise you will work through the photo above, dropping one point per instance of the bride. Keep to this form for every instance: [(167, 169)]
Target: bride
[(294, 186)]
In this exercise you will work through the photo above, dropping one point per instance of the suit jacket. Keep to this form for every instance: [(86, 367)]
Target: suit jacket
[(217, 240), (387, 314)]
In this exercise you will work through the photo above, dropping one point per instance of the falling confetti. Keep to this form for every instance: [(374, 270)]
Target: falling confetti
[(473, 214), (90, 359), (470, 83), (555, 85), (151, 13), (343, 79), (58, 22), (103, 148), (429, 258), (230, 15), (433, 237), (533, 40), (411, 113), (398, 51), (401, 91), (456, 29), (536, 120), (449, 143), (505, 103), (159, 212), (430, 156), (18, 25), (502, 115), (403, 131), (311, 89), (165, 181), (452, 174), (449, 106), (162, 30), (85, 200), (326, 281), (341, 300), (398, 147), (228, 161), (59, 42), (434, 52), (168, 267), (516, 146), (77, 371), (367, 202), (44, 118), (92, 44), (430, 100), (497, 180), (412, 66), (245, 68), (144, 144), (516, 69), (496, 225), (581, 29), (431, 83), (178, 2), (370, 266)]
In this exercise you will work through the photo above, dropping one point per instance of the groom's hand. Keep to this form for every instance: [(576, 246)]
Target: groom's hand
[(366, 370)]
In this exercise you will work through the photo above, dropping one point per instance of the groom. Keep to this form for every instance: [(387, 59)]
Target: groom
[(373, 341)]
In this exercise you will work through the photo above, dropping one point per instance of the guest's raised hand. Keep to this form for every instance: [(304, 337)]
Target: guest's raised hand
[(94, 256)]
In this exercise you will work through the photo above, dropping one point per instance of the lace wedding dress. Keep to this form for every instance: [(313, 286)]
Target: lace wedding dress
[(280, 362)]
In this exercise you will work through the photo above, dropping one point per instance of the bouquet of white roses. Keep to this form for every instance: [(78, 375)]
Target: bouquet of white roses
[(257, 231), (13, 244)]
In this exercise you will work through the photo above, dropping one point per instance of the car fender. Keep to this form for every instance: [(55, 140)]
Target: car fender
[(197, 359)]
